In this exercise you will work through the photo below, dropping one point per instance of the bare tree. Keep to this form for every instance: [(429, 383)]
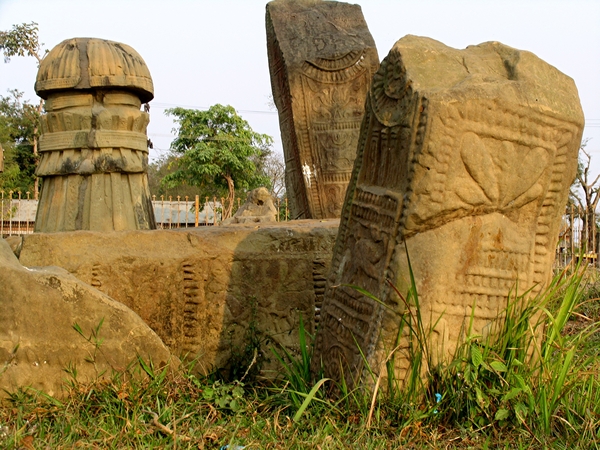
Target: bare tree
[(274, 168), (585, 196)]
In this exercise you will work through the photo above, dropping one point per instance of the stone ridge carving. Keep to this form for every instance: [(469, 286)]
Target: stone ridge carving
[(321, 60), (465, 160), (94, 147), (89, 63)]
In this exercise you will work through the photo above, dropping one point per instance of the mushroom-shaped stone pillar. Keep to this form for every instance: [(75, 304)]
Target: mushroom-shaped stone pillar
[(93, 147)]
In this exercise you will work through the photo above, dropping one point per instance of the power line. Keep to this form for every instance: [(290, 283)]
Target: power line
[(205, 108)]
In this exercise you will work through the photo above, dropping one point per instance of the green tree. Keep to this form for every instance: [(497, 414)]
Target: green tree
[(217, 151), (21, 40), (18, 122), (158, 170)]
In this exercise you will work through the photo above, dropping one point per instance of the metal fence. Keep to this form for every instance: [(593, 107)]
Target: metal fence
[(578, 235), (578, 238), (17, 212)]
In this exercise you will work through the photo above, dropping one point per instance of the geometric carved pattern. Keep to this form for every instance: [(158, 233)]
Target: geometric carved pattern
[(192, 296), (319, 283)]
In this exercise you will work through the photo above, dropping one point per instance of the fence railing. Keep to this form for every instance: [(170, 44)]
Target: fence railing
[(578, 235), (578, 238), (183, 212), (17, 212)]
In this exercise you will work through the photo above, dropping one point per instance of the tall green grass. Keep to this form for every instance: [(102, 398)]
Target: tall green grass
[(531, 382), (526, 374)]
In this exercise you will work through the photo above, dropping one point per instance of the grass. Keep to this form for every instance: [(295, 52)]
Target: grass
[(533, 383)]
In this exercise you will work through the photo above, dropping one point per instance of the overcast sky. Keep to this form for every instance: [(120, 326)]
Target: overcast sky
[(204, 52)]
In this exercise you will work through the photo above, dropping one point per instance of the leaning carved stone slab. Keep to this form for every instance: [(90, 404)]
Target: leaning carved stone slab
[(93, 147), (465, 160), (321, 59)]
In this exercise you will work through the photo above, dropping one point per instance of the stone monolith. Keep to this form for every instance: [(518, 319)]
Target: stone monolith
[(93, 147), (464, 164), (321, 59)]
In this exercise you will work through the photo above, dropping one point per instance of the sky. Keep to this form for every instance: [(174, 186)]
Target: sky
[(202, 52)]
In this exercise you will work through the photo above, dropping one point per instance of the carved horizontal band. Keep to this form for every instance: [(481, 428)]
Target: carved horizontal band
[(336, 177), (93, 139), (124, 81), (55, 102), (330, 126)]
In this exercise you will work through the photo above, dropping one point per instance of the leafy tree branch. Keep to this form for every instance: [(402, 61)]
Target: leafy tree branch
[(217, 150)]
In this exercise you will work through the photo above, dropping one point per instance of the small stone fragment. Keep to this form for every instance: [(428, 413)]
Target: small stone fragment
[(259, 207)]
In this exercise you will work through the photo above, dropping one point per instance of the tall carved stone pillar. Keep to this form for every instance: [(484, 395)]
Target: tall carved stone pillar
[(94, 147), (465, 161), (321, 60)]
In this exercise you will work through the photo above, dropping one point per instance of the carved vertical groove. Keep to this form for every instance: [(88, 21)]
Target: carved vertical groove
[(191, 303)]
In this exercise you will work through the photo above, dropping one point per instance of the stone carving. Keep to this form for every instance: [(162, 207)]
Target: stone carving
[(465, 161), (93, 147), (259, 207), (321, 59), (37, 340), (198, 289)]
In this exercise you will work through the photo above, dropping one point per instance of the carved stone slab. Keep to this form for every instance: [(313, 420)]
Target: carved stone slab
[(94, 147), (200, 289), (321, 59), (465, 161)]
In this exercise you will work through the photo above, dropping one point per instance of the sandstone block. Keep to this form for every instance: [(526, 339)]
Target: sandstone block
[(464, 162), (38, 310), (199, 289)]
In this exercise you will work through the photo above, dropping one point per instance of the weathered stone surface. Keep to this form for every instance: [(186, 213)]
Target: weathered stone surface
[(15, 243), (321, 60), (198, 288), (93, 147), (465, 160), (259, 207), (38, 308)]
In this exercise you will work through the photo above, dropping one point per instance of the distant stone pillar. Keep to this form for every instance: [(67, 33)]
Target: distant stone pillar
[(321, 60), (465, 162), (94, 148)]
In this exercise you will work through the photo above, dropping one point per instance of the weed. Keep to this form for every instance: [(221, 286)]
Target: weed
[(246, 361), (96, 341), (225, 396)]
